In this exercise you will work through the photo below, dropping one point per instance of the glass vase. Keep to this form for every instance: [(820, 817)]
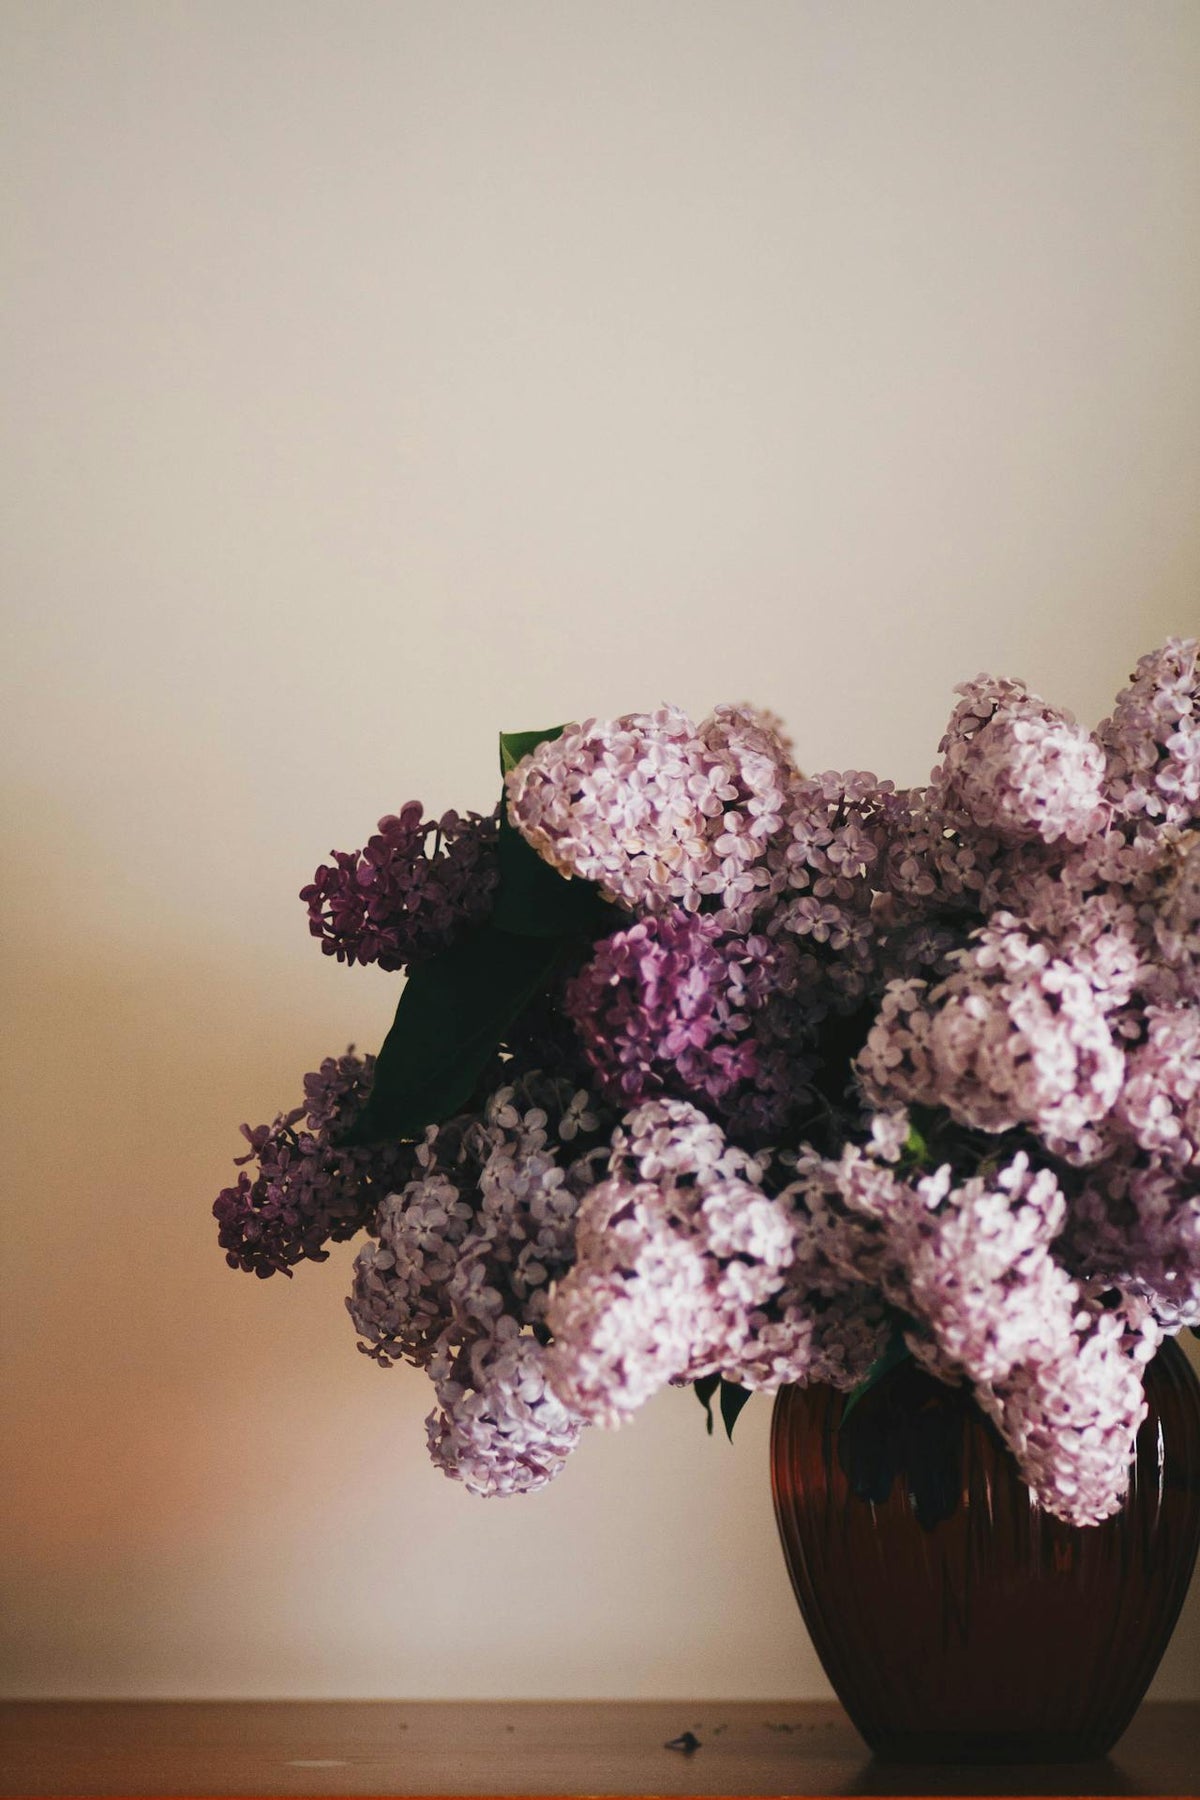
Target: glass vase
[(955, 1618)]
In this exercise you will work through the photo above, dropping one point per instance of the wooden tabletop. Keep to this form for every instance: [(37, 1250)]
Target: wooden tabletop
[(195, 1748)]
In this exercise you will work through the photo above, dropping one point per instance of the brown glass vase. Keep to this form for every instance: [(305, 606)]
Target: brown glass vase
[(955, 1619)]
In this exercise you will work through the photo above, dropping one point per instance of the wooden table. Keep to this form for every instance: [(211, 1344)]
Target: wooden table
[(194, 1748)]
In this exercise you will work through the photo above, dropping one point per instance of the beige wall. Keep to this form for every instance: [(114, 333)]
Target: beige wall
[(382, 374)]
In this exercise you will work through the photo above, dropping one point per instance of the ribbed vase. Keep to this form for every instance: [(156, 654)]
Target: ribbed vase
[(955, 1619)]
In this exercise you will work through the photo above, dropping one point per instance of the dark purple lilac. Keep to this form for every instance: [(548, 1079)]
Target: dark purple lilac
[(406, 895), (666, 1005), (307, 1190)]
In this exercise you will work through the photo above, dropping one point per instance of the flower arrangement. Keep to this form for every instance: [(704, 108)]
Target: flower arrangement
[(709, 1071)]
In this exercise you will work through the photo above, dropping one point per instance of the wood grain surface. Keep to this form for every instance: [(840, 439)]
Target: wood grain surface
[(255, 1748)]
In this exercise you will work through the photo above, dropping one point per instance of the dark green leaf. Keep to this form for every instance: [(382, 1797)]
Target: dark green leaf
[(733, 1398), (515, 746), (705, 1388), (895, 1352), (534, 900), (452, 1015)]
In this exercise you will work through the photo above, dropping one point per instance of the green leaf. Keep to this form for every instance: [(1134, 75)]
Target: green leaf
[(733, 1398), (705, 1388), (915, 1145), (452, 1016), (895, 1352), (515, 746), (534, 900)]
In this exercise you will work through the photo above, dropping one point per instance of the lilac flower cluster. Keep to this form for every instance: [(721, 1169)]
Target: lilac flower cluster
[(408, 892), (658, 811), (457, 1279), (859, 1063), (688, 1265), (1013, 1036), (307, 1190), (972, 1266), (1016, 767), (668, 1004), (1152, 740)]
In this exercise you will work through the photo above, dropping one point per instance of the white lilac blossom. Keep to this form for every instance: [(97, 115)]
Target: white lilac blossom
[(850, 1067)]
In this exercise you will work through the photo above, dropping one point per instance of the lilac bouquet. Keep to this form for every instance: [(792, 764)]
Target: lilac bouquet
[(708, 1071)]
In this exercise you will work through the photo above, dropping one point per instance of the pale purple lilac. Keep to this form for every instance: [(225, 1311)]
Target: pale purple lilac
[(497, 1426), (1159, 1103), (1174, 916), (685, 1266), (972, 1266), (1015, 767), (1013, 1036), (1153, 738), (825, 871), (659, 811), (467, 1253), (1072, 1421), (1135, 1229)]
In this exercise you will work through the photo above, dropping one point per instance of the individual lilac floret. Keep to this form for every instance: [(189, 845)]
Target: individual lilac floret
[(307, 1190), (1014, 1036), (667, 1005), (408, 892), (1153, 738), (1013, 766), (659, 811)]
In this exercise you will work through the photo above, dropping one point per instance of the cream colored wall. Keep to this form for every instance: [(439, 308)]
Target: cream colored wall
[(384, 374)]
